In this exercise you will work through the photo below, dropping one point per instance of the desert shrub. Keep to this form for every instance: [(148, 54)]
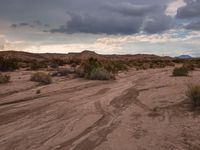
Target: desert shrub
[(115, 66), (37, 65), (23, 65), (189, 66), (193, 93), (53, 65), (178, 60), (63, 72), (80, 72), (171, 64), (90, 65), (146, 66), (100, 70), (74, 65), (197, 65), (8, 64), (4, 78), (59, 62), (41, 77), (100, 74), (181, 71), (38, 91)]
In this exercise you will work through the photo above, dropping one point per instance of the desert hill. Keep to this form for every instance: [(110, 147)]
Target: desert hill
[(77, 56)]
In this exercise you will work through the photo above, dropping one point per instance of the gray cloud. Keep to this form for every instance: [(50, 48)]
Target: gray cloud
[(130, 9), (118, 18), (191, 10), (23, 24), (13, 25), (191, 13), (157, 24), (89, 16), (195, 25), (109, 24), (33, 24)]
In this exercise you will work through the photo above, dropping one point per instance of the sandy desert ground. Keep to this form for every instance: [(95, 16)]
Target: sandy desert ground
[(140, 110)]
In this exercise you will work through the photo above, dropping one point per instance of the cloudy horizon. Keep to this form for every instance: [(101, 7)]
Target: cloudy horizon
[(161, 27)]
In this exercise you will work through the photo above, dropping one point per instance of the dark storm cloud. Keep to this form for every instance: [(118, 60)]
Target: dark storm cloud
[(89, 16), (191, 10), (157, 24), (118, 18), (110, 24), (132, 9)]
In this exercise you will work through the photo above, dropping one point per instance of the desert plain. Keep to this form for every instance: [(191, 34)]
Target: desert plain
[(139, 110)]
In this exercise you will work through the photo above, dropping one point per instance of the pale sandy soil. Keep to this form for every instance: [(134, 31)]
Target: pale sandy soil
[(141, 110)]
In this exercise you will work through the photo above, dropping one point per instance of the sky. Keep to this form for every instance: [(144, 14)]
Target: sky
[(161, 27)]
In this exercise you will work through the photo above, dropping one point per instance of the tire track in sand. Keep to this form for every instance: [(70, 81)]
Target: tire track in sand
[(97, 133)]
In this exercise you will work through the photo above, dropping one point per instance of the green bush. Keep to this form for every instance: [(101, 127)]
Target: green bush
[(8, 64), (4, 78), (41, 77), (90, 65), (100, 74), (181, 71), (115, 66), (193, 93), (100, 70)]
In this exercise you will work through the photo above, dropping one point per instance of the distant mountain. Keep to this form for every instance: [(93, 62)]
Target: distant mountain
[(184, 56)]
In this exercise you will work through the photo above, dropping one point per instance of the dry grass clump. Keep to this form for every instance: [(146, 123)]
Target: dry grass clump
[(41, 77), (180, 71), (193, 93), (190, 66), (4, 78), (100, 74)]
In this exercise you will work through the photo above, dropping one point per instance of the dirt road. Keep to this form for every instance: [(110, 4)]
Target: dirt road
[(140, 110)]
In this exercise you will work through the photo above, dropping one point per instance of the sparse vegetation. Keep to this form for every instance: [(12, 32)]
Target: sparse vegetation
[(62, 72), (7, 64), (150, 64), (80, 72), (55, 63), (193, 93), (189, 66), (96, 70), (180, 71), (90, 65), (100, 74), (37, 65), (41, 77), (115, 66), (4, 78)]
